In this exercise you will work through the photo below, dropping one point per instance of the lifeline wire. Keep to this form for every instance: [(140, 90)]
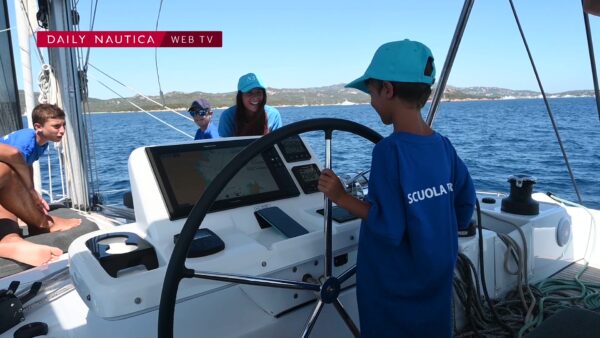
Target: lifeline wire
[(550, 115)]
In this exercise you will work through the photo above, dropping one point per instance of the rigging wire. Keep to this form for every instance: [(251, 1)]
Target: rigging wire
[(140, 94), (550, 115), (93, 21), (94, 180), (94, 176), (146, 112), (162, 97), (588, 34), (447, 68)]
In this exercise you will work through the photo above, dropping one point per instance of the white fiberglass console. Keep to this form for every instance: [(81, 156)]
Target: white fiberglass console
[(544, 241), (547, 235), (120, 274)]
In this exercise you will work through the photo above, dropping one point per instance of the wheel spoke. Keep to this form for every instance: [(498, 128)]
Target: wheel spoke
[(347, 274), (327, 212), (262, 281), (346, 317), (313, 319)]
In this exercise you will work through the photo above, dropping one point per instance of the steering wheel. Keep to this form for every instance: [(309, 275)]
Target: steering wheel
[(327, 290)]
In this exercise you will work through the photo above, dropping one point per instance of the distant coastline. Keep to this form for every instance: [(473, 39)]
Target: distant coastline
[(317, 96), (184, 110)]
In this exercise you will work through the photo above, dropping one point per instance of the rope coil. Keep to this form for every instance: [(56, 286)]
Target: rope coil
[(47, 91)]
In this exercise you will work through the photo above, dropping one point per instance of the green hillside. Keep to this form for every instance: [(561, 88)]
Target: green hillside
[(328, 95)]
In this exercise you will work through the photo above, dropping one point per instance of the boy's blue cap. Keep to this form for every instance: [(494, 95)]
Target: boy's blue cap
[(399, 61), (250, 81)]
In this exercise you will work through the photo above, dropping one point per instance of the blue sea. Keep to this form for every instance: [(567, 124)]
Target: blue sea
[(496, 139)]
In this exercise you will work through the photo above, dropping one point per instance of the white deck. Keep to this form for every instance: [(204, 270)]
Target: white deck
[(98, 305)]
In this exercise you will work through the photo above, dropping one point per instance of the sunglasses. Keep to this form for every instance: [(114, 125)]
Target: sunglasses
[(201, 112)]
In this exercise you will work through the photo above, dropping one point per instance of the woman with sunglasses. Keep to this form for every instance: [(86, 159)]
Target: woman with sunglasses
[(250, 115), (202, 114)]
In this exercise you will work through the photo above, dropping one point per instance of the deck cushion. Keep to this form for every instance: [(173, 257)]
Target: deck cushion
[(60, 239)]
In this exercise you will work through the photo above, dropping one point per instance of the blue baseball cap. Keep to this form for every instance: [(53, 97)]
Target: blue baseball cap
[(399, 61), (250, 81)]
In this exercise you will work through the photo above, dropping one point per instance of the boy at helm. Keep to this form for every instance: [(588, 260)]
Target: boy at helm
[(420, 194), (202, 113), (18, 197)]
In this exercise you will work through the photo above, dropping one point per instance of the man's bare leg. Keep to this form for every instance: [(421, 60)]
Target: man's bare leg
[(17, 201)]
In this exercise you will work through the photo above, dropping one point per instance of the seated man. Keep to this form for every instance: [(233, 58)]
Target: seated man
[(18, 198)]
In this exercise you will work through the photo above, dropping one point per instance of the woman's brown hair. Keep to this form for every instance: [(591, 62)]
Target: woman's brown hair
[(249, 126)]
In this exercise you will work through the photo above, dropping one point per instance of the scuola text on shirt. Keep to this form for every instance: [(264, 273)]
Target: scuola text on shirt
[(423, 194)]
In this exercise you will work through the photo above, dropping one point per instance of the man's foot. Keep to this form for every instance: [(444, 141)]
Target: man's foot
[(54, 224), (20, 250), (62, 224)]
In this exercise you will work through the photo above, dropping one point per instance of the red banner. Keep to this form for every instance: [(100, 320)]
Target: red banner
[(62, 39)]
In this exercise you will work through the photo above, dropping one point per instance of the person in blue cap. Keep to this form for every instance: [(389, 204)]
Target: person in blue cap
[(251, 115), (420, 194), (202, 113)]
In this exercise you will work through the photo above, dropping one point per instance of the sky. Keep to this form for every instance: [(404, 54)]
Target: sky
[(312, 43)]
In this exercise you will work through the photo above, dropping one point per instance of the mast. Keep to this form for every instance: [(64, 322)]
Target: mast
[(64, 65), (24, 33)]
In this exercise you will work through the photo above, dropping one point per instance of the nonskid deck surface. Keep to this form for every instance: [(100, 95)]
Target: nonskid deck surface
[(589, 274), (61, 239), (227, 313), (569, 300)]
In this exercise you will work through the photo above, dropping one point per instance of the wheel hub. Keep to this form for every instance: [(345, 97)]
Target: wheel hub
[(330, 290)]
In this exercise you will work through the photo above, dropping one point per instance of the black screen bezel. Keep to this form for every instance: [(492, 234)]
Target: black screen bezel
[(303, 155), (286, 186), (308, 187)]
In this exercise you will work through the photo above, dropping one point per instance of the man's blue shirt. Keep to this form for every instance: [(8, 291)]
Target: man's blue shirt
[(24, 140)]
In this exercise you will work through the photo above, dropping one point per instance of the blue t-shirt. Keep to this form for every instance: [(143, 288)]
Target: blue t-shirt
[(227, 120), (24, 140), (210, 132), (420, 193)]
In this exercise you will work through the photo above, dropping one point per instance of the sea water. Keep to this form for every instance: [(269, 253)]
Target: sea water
[(495, 138)]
